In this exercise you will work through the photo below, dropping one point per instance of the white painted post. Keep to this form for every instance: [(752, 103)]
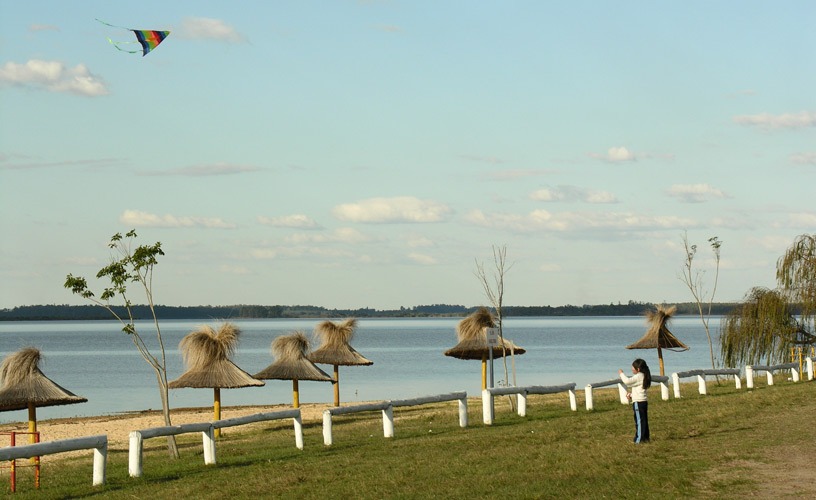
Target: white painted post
[(99, 464), (487, 407), (749, 376), (588, 394), (795, 374), (737, 381), (573, 400), (769, 374), (298, 423), (622, 393), (463, 416), (522, 403), (327, 428), (809, 364), (676, 384), (208, 442), (135, 454), (664, 391), (701, 384), (388, 421)]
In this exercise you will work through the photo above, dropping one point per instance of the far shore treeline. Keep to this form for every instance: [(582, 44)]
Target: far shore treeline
[(62, 312)]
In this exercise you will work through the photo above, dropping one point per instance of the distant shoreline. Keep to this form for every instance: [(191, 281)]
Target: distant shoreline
[(64, 312)]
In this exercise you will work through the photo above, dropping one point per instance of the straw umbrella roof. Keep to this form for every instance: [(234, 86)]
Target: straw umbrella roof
[(23, 383), (473, 339), (291, 361), (335, 348), (658, 334), (206, 354)]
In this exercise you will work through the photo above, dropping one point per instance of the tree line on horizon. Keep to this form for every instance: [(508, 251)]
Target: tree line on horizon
[(65, 312)]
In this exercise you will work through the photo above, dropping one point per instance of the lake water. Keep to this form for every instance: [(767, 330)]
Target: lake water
[(96, 360)]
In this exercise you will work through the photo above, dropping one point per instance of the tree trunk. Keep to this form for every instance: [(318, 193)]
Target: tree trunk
[(172, 448)]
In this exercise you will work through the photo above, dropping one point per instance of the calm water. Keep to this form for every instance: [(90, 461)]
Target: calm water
[(97, 361)]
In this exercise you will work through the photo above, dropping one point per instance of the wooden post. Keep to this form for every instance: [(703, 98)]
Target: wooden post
[(217, 409), (295, 394), (660, 359), (588, 395), (327, 428), (32, 422), (336, 385), (484, 372)]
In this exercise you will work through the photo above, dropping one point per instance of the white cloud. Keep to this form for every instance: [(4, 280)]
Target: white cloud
[(419, 242), (547, 194), (615, 155), (297, 221), (53, 76), (43, 27), (239, 270), (393, 210), (422, 259), (543, 220), (341, 235), (573, 193), (204, 170), (805, 220), (145, 219), (550, 267), (204, 28), (695, 193), (509, 175), (802, 119), (804, 158)]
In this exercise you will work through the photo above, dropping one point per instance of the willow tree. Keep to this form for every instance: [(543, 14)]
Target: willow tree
[(766, 326), (796, 275), (132, 265), (760, 330)]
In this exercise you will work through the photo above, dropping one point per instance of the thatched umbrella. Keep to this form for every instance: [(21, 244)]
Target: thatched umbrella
[(207, 353), (25, 386), (292, 364), (472, 335), (658, 335), (335, 349)]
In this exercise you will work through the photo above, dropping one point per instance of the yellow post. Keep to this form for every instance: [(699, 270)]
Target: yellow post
[(32, 422), (484, 372), (660, 358), (336, 384), (32, 430), (295, 394), (217, 409)]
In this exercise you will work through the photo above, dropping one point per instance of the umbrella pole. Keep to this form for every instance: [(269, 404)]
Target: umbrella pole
[(336, 385), (217, 409), (484, 372), (295, 394), (32, 422), (660, 358)]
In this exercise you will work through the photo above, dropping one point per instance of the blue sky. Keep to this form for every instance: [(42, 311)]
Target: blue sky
[(367, 153)]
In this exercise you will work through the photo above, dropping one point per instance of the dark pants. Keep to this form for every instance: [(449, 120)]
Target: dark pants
[(641, 409)]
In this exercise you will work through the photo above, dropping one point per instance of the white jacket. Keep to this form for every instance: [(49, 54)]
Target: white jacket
[(636, 383)]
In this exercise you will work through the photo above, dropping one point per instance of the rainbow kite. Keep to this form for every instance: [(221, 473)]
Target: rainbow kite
[(149, 39)]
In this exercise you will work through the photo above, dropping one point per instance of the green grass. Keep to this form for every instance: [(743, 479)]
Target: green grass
[(702, 447)]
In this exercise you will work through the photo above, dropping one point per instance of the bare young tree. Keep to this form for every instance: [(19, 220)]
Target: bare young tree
[(132, 265), (693, 279), (493, 286)]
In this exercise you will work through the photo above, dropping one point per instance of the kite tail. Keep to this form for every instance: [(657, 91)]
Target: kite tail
[(112, 25), (116, 45)]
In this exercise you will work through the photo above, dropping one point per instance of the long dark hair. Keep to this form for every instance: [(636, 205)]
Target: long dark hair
[(643, 368)]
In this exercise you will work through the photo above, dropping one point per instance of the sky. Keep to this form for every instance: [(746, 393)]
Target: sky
[(351, 154)]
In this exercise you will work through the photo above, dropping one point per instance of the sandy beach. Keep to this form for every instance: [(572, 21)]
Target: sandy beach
[(118, 427)]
